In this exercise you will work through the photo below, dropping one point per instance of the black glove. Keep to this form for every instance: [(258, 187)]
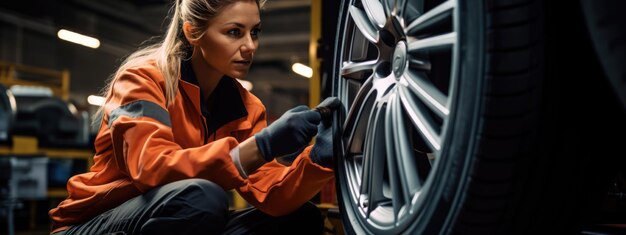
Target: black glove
[(331, 103), (290, 133), (322, 151)]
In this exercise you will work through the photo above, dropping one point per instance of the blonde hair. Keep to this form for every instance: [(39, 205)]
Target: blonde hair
[(174, 47)]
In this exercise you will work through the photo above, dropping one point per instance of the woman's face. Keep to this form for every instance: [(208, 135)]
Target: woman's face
[(232, 38)]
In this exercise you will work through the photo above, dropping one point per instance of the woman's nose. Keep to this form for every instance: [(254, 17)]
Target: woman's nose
[(249, 45)]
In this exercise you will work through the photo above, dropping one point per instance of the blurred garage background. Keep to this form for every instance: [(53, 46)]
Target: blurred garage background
[(29, 37), (45, 135)]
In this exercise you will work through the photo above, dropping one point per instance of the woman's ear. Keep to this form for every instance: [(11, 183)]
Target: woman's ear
[(188, 31)]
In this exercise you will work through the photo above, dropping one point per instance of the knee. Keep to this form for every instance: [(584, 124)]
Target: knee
[(204, 194), (190, 205), (205, 187)]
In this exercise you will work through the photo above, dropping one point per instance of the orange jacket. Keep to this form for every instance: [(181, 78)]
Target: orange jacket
[(145, 144)]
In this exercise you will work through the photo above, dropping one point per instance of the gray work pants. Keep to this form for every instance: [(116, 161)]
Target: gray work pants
[(194, 206)]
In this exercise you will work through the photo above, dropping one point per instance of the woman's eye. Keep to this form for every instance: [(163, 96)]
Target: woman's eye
[(255, 32), (234, 32)]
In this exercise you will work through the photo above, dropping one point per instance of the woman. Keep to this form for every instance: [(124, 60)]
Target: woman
[(177, 131)]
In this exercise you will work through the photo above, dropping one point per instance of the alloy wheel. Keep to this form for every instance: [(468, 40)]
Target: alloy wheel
[(397, 80)]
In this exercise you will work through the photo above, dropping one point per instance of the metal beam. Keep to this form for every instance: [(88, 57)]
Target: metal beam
[(314, 63)]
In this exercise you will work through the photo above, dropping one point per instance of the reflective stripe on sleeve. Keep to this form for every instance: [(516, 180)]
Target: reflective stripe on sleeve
[(141, 108)]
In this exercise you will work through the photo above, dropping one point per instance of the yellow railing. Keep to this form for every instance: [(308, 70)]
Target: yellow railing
[(18, 74)]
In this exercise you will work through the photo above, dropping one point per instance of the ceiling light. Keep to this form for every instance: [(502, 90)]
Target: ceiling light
[(303, 70), (95, 100), (78, 38)]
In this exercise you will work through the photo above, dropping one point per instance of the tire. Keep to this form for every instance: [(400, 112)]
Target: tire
[(463, 122)]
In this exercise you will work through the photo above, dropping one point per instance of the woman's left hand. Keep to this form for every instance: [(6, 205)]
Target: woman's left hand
[(322, 152)]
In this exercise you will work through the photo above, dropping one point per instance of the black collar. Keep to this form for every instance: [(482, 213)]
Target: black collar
[(227, 103)]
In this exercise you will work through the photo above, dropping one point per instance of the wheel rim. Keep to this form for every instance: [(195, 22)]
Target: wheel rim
[(398, 78)]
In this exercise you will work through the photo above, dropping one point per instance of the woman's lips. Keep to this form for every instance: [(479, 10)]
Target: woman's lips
[(242, 62)]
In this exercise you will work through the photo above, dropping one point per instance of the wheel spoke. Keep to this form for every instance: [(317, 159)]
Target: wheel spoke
[(375, 152), (399, 7), (357, 168), (343, 95), (419, 119), (431, 17), (399, 159), (427, 92), (394, 175), (419, 64), (368, 155), (363, 24), (388, 6), (350, 68), (404, 151), (356, 119), (396, 188), (375, 12), (366, 172), (431, 43)]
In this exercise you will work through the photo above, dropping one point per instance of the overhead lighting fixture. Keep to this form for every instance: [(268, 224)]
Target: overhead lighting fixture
[(95, 100), (78, 38), (302, 70), (245, 84)]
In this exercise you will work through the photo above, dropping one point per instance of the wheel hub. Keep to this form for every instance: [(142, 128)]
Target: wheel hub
[(399, 60), (393, 49)]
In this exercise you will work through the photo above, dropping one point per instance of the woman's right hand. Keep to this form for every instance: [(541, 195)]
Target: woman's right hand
[(289, 133)]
